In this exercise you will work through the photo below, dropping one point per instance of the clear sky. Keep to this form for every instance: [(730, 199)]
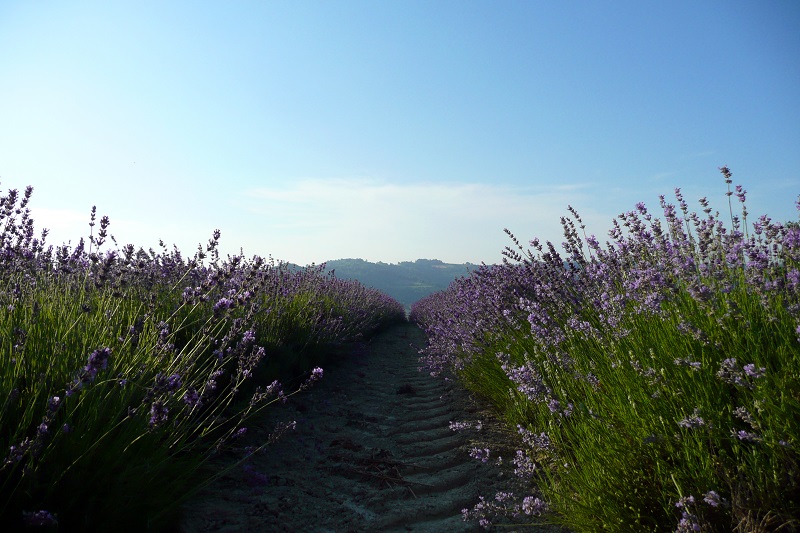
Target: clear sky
[(391, 130)]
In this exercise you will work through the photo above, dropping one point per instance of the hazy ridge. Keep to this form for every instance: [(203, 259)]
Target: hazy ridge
[(407, 281)]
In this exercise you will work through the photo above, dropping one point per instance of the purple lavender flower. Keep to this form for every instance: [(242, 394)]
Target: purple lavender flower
[(211, 384), (750, 370), (222, 304), (53, 404), (687, 361), (280, 429), (713, 499), (17, 452), (460, 426), (526, 377), (503, 496), (188, 293), (694, 421), (554, 406), (746, 436), (744, 415), (533, 506), (191, 397), (741, 193), (315, 376), (40, 518), (248, 337), (729, 372), (163, 331), (481, 454), (688, 521), (162, 383), (158, 414), (174, 382), (726, 172), (685, 501), (540, 442), (525, 468), (98, 360), (793, 278)]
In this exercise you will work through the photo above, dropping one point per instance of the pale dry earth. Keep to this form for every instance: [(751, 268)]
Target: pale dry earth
[(372, 451)]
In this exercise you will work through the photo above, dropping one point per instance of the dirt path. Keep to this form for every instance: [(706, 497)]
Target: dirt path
[(372, 451)]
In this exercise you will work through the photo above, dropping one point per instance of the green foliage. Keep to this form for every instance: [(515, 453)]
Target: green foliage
[(622, 458)]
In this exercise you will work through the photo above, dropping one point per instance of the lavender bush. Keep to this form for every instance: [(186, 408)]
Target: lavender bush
[(123, 371), (654, 380)]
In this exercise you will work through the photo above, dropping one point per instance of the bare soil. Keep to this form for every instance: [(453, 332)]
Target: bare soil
[(372, 451)]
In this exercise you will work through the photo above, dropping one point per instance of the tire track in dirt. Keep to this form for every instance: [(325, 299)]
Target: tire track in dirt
[(372, 451)]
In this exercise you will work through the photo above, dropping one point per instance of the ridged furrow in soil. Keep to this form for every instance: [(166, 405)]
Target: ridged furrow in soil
[(372, 452)]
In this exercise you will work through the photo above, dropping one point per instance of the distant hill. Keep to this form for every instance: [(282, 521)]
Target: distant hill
[(407, 281)]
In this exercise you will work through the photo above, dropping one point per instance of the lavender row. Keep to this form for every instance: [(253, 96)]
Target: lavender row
[(652, 380), (124, 370)]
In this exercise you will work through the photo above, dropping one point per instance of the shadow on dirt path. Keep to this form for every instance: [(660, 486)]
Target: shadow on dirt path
[(372, 451)]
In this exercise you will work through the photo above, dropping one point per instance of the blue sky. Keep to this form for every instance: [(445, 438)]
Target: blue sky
[(391, 131)]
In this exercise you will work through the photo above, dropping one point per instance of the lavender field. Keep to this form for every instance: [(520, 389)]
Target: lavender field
[(649, 382), (653, 379), (123, 371)]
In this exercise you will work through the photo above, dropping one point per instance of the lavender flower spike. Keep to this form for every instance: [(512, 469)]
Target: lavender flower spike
[(315, 376), (40, 518), (158, 414), (98, 360), (713, 499), (480, 454), (746, 436), (694, 421), (754, 373), (533, 506)]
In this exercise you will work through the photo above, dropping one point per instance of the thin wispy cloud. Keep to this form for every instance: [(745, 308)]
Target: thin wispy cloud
[(378, 220), (697, 155), (661, 176), (568, 187)]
